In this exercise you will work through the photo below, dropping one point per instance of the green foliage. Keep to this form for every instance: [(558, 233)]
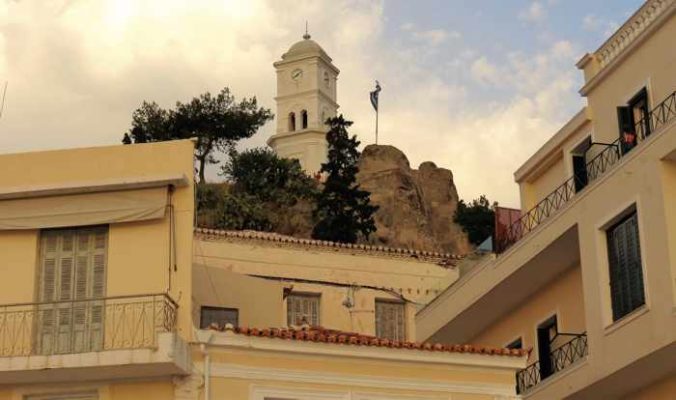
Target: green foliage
[(477, 219), (343, 211), (262, 174), (263, 193), (217, 122)]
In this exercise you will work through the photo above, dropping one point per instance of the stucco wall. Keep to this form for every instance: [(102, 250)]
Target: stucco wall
[(662, 390), (138, 252), (562, 297), (335, 275), (651, 64)]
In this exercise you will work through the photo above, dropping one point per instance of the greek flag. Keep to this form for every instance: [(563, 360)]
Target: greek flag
[(374, 96)]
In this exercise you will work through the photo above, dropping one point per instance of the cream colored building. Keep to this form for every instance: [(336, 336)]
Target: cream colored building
[(306, 98), (586, 278), (106, 286)]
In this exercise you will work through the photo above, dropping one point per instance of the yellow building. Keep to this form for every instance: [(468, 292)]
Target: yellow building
[(109, 292), (95, 272), (586, 277)]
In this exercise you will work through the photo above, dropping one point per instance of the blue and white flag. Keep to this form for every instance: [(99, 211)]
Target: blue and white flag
[(374, 96)]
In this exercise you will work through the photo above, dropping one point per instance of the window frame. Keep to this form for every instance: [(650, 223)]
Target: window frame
[(400, 303), (623, 218), (308, 295), (204, 308)]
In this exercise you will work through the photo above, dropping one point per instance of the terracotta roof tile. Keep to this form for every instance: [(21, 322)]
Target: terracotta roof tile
[(443, 259), (323, 335)]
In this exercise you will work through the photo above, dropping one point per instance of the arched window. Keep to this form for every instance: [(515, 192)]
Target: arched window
[(303, 116), (292, 122)]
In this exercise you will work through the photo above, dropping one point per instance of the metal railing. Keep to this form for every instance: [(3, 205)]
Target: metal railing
[(79, 326), (595, 167), (559, 359)]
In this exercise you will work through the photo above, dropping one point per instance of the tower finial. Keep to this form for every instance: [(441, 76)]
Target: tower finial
[(307, 35)]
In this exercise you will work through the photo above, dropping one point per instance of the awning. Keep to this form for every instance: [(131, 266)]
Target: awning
[(83, 209)]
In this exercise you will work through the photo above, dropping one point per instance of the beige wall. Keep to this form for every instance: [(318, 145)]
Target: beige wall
[(662, 390), (334, 275), (563, 298), (150, 390), (651, 64), (138, 252), (425, 380)]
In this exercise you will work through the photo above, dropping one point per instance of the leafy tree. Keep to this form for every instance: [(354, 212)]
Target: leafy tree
[(262, 174), (343, 211), (477, 219), (217, 122)]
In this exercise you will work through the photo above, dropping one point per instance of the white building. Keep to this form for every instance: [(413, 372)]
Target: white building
[(306, 97)]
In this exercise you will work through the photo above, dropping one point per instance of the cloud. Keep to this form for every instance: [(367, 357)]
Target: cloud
[(534, 13), (593, 23), (77, 70)]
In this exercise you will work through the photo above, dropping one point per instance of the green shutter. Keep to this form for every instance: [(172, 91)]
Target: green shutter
[(626, 275)]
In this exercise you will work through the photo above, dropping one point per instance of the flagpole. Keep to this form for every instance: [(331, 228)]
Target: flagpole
[(376, 126)]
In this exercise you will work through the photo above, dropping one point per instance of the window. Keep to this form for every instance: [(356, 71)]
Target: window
[(219, 316), (292, 122), (302, 309), (72, 269), (516, 344), (303, 115), (390, 320), (626, 273), (634, 120)]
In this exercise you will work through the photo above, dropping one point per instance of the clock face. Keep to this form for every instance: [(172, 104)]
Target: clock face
[(296, 74)]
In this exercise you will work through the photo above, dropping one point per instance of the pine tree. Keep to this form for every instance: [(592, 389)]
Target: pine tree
[(343, 210)]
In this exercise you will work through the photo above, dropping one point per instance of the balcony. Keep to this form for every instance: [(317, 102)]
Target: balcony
[(602, 161), (564, 356), (43, 342)]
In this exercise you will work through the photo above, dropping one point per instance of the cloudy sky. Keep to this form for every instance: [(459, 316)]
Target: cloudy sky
[(473, 86)]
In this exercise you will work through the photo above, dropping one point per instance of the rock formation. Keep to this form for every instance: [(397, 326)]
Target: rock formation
[(416, 206)]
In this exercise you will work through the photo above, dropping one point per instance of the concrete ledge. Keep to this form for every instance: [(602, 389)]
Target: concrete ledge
[(170, 357)]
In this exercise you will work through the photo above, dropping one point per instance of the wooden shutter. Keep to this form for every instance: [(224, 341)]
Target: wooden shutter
[(302, 309), (626, 274), (72, 273), (390, 320)]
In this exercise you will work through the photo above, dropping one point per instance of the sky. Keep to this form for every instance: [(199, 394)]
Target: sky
[(475, 87)]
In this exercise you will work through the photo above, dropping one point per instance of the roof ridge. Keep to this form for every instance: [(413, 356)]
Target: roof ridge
[(332, 336), (277, 237)]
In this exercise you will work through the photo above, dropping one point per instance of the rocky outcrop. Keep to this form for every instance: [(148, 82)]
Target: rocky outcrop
[(416, 206)]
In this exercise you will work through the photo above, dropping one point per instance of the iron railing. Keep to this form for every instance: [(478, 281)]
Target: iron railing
[(595, 167), (559, 359), (80, 326)]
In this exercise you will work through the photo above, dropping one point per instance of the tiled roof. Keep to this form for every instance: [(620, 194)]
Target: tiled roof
[(443, 259), (323, 335)]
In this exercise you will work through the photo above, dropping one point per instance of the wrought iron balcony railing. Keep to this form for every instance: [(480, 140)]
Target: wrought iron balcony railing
[(80, 326), (659, 116), (559, 359)]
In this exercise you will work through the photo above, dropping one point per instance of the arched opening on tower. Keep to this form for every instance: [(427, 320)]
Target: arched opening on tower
[(303, 116), (292, 122)]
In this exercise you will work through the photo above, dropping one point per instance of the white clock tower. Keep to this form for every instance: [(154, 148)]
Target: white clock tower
[(306, 97)]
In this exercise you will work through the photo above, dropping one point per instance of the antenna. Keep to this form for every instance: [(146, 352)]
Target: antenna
[(4, 91), (307, 35)]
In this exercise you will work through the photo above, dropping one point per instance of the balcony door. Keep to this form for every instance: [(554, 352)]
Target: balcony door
[(546, 333), (71, 288)]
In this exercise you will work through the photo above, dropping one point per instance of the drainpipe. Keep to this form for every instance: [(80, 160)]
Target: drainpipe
[(204, 338)]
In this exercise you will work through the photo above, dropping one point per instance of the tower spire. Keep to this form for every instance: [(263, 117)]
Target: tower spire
[(307, 35)]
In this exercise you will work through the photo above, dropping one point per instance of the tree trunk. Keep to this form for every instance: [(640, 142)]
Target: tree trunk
[(202, 160)]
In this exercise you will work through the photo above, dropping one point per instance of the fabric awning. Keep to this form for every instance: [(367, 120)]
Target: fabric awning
[(83, 209)]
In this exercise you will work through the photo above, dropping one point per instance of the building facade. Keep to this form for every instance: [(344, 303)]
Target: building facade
[(306, 98), (95, 268), (585, 278)]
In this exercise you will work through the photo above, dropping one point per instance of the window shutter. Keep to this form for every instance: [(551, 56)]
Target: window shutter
[(302, 309), (624, 119), (390, 320), (626, 275)]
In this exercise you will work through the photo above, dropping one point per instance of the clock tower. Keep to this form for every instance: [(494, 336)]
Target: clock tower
[(306, 97)]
